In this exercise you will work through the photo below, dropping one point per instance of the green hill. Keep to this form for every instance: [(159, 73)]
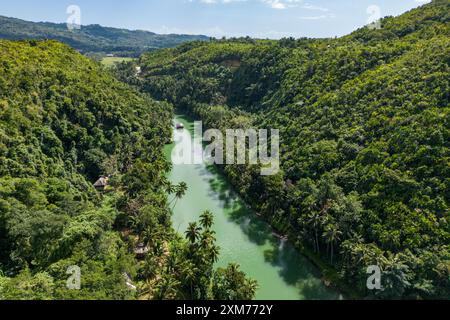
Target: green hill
[(364, 123), (65, 121), (93, 38)]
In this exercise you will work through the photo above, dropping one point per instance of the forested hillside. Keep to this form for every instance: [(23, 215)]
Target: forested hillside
[(93, 39), (364, 123), (64, 121)]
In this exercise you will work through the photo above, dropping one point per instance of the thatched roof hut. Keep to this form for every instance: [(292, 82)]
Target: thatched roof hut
[(141, 250), (101, 183)]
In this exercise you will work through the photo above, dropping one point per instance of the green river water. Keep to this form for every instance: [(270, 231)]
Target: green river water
[(282, 273)]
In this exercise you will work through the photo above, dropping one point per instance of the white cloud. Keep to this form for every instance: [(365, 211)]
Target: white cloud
[(282, 4), (274, 4), (323, 16), (319, 17), (216, 1), (308, 6)]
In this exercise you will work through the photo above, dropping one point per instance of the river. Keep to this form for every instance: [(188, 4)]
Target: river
[(282, 273)]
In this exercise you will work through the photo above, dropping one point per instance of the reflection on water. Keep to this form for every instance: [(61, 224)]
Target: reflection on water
[(281, 272)]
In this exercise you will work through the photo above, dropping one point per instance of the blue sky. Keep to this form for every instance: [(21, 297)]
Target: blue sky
[(256, 18)]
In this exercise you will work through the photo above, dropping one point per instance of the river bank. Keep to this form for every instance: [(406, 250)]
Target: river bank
[(245, 238)]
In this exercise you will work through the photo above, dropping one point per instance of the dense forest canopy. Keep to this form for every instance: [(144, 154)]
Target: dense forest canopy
[(364, 123), (93, 39), (65, 121)]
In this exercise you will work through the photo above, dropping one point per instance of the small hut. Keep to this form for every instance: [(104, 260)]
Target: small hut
[(141, 251), (101, 183)]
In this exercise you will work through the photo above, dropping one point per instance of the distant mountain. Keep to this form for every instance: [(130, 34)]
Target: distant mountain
[(93, 38)]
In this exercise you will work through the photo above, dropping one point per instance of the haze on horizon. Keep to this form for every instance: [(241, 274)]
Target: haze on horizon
[(231, 18)]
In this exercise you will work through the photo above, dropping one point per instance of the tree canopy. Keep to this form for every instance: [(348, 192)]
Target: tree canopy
[(65, 121), (364, 122)]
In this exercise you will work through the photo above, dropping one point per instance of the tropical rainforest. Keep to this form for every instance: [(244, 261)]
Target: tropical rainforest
[(364, 125), (65, 121), (365, 162)]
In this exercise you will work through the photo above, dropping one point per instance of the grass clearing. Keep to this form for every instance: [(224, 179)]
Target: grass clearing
[(110, 61)]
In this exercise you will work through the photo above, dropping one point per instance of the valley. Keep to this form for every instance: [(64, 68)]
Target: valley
[(281, 272), (89, 119)]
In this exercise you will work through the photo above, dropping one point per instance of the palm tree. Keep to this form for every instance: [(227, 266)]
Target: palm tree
[(167, 288), (150, 267), (214, 253), (172, 263), (332, 235), (182, 188), (233, 269), (315, 220), (207, 219), (180, 191), (207, 244), (251, 288), (189, 272), (207, 239), (147, 235), (193, 232), (170, 188)]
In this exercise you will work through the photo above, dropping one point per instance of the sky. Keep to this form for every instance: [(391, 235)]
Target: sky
[(272, 19)]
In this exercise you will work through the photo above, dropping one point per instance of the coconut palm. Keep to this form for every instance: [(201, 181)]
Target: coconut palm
[(251, 287), (180, 191), (214, 253), (207, 219), (170, 188), (189, 272), (315, 220), (167, 288), (332, 235), (193, 232), (207, 239)]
